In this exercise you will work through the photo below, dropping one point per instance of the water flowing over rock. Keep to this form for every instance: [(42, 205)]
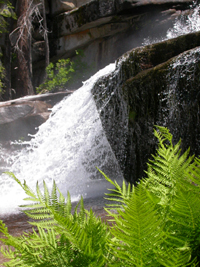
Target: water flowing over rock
[(156, 85), (67, 148), (109, 121), (98, 26)]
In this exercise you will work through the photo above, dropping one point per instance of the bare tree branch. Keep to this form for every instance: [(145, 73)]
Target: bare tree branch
[(21, 38), (24, 26)]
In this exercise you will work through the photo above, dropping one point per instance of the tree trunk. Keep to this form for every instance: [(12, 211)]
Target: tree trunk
[(45, 36), (7, 64), (24, 71), (8, 56)]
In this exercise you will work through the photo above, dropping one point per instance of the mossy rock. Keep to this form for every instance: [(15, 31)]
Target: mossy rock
[(162, 96), (151, 87)]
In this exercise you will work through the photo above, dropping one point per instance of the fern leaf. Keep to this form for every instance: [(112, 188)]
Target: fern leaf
[(119, 195), (175, 257), (167, 168), (184, 215), (138, 230)]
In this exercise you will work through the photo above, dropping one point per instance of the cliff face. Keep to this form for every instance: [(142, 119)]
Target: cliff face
[(104, 29), (153, 85)]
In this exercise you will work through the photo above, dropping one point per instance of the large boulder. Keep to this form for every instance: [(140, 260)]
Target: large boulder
[(21, 117), (153, 85)]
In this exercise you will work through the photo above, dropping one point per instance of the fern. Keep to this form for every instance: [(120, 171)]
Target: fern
[(174, 179), (167, 167), (140, 235), (175, 257), (134, 233), (77, 239), (171, 192), (156, 223)]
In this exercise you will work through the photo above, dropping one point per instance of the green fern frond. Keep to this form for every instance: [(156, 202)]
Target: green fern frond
[(155, 224), (138, 230), (184, 216), (163, 135), (193, 175), (84, 234), (167, 168), (119, 194), (175, 257)]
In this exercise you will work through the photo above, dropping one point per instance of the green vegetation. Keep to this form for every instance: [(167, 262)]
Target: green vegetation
[(63, 73), (6, 11), (57, 76), (156, 223)]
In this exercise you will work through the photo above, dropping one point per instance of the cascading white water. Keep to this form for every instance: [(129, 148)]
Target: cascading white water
[(69, 146), (67, 149), (183, 25)]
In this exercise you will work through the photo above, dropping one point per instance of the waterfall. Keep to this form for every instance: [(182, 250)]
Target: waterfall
[(183, 24), (186, 24), (67, 148), (72, 143)]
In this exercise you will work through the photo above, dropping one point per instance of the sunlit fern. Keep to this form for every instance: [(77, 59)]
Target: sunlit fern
[(167, 167), (162, 213), (174, 178), (62, 238), (156, 223)]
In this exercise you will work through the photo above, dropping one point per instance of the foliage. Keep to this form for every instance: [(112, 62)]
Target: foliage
[(158, 224), (62, 238), (62, 73), (57, 76), (155, 223), (6, 11)]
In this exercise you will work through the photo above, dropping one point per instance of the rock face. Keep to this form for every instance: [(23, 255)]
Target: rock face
[(23, 116), (153, 85), (59, 6), (116, 23), (104, 29)]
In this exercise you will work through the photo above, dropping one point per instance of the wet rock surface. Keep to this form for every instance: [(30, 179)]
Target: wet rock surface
[(23, 116), (98, 26), (154, 85), (141, 18), (163, 96)]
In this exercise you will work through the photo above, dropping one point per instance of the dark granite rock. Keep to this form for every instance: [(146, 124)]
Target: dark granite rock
[(153, 85)]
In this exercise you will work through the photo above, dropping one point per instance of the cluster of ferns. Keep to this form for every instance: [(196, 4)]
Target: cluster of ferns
[(155, 223)]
